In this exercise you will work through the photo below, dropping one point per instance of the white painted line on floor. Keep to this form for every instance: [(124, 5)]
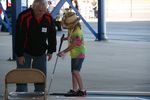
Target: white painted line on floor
[(98, 97), (128, 93)]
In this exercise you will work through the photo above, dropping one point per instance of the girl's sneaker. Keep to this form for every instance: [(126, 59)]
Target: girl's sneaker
[(71, 93), (81, 93)]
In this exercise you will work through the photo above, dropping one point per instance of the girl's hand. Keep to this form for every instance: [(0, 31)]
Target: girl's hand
[(61, 54), (65, 38)]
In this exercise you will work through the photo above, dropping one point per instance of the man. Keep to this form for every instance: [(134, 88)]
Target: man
[(35, 40)]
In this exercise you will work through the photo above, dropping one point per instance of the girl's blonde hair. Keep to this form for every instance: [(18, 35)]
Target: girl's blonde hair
[(74, 28)]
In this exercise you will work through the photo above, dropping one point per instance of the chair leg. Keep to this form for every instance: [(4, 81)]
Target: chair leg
[(6, 93)]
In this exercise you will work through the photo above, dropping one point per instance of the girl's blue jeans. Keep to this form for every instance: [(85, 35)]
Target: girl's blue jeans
[(38, 62)]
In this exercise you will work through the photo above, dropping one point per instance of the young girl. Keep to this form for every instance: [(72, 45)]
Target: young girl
[(76, 48)]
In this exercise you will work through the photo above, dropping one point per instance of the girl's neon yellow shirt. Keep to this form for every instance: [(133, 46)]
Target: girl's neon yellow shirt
[(76, 39)]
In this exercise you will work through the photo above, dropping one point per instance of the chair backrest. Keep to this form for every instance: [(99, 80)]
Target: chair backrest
[(25, 75)]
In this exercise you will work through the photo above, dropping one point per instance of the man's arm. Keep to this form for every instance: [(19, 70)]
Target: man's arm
[(20, 36), (52, 41)]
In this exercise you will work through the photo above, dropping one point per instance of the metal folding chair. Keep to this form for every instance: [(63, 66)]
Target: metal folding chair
[(25, 75)]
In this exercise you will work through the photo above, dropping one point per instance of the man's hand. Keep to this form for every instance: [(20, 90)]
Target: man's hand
[(21, 60), (49, 56)]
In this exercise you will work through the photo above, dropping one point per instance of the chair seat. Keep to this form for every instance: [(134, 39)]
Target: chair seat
[(25, 75), (26, 94)]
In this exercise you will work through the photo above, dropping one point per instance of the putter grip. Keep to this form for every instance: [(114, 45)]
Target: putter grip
[(61, 41)]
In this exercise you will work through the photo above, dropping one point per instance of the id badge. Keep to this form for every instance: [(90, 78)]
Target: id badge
[(44, 29)]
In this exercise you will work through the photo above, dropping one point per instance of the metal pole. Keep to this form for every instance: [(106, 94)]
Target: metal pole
[(131, 8), (16, 6), (101, 21)]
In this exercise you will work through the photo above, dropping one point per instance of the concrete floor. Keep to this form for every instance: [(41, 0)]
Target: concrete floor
[(90, 96), (113, 65)]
